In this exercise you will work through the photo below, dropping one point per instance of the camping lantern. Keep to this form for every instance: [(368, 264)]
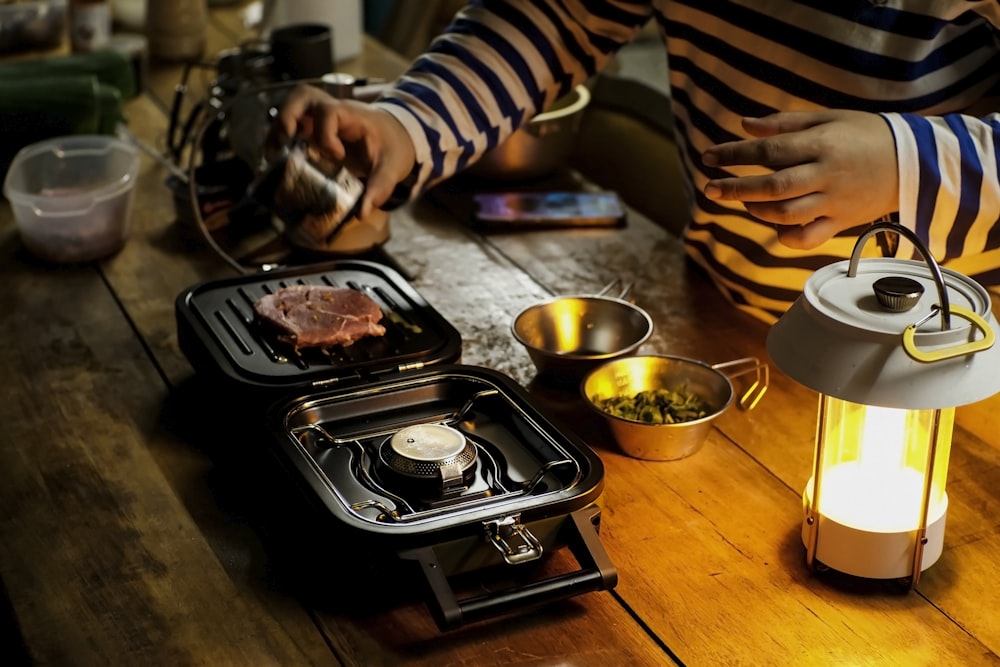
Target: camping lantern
[(892, 346)]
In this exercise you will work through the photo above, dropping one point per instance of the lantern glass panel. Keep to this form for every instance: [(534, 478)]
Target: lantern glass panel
[(874, 464)]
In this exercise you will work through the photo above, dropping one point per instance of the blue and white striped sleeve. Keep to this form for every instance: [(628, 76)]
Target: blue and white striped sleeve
[(949, 178), (497, 65)]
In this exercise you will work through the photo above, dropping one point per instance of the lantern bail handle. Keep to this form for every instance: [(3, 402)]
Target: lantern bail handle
[(876, 227)]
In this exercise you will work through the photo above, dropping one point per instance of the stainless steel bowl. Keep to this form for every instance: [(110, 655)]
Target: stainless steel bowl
[(666, 442), (539, 147), (568, 336)]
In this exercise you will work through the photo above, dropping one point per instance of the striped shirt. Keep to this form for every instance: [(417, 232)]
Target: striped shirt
[(923, 64)]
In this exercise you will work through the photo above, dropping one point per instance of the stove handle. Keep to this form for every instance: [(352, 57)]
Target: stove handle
[(597, 573)]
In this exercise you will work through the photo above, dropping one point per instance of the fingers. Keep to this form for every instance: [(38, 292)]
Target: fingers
[(328, 130), (777, 152), (790, 198), (809, 236), (297, 108), (394, 156), (798, 211), (829, 171), (785, 121), (378, 190), (781, 140), (369, 141), (784, 184)]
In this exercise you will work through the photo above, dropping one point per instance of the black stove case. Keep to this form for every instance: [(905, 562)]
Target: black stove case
[(332, 415)]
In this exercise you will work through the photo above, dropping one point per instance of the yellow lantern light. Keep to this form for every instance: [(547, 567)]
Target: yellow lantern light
[(864, 335)]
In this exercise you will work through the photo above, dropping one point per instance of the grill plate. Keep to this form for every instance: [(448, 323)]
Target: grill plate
[(217, 330)]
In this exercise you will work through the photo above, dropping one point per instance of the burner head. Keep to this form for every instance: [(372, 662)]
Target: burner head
[(430, 452)]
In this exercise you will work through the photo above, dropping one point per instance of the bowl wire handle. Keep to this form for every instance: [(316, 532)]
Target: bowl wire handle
[(753, 394), (623, 293)]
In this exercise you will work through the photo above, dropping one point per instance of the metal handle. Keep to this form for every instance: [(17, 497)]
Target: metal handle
[(751, 397), (877, 227), (623, 294), (596, 574)]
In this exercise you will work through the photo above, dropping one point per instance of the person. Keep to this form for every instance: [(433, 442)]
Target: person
[(798, 122)]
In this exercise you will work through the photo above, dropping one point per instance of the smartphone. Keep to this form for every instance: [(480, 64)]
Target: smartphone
[(548, 209)]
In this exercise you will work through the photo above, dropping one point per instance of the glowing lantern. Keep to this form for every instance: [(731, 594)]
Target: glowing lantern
[(865, 335)]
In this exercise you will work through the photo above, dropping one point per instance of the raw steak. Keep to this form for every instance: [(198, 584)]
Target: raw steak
[(319, 315)]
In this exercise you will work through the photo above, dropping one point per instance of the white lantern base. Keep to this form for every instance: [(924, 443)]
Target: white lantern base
[(870, 554)]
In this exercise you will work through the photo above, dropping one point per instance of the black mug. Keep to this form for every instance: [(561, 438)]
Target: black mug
[(301, 51)]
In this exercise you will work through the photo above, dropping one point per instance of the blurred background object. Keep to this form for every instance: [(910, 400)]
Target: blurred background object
[(89, 25), (48, 96), (408, 27), (30, 26), (343, 16), (129, 14), (176, 30)]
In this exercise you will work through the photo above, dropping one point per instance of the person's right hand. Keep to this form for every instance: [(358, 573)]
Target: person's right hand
[(368, 140)]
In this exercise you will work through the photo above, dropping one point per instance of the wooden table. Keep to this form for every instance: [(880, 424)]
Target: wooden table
[(133, 533)]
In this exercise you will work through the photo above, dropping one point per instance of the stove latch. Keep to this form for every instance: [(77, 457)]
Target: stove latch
[(513, 540)]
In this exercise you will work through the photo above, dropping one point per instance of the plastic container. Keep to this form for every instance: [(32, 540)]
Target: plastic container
[(72, 196)]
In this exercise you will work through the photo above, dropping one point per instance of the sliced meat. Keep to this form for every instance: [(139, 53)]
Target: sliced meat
[(319, 315)]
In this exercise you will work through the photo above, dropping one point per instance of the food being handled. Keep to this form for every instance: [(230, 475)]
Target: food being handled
[(319, 315), (312, 196)]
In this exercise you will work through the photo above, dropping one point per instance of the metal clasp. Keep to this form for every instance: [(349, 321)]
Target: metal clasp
[(927, 356), (513, 540)]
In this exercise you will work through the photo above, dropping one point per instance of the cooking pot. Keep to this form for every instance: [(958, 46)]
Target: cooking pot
[(541, 146)]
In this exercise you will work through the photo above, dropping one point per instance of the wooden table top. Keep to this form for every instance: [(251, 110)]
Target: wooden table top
[(137, 529)]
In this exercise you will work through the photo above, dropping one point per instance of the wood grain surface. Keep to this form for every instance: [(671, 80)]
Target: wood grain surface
[(144, 520)]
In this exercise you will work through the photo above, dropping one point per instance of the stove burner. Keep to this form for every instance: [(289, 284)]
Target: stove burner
[(468, 448), (430, 452), (423, 449)]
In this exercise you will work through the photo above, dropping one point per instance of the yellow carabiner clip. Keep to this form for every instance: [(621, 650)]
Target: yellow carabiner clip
[(984, 343)]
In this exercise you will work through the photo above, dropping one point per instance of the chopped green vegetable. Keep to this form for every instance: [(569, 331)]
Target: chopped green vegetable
[(655, 406)]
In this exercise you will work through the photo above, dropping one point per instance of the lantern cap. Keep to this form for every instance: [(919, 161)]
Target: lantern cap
[(842, 339)]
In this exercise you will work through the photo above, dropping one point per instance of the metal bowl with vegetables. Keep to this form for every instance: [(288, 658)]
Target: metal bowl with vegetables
[(661, 407)]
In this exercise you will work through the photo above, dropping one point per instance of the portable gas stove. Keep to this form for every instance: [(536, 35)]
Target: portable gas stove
[(447, 465)]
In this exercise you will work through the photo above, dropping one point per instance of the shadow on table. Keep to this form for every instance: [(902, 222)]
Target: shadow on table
[(307, 554), (12, 646)]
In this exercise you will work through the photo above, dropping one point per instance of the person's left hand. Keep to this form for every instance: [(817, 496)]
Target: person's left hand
[(833, 170)]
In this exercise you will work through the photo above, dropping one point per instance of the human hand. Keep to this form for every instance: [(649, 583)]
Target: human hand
[(833, 170), (368, 140)]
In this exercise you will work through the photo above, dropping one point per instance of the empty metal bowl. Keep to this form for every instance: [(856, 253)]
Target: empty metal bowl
[(568, 336), (664, 441)]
